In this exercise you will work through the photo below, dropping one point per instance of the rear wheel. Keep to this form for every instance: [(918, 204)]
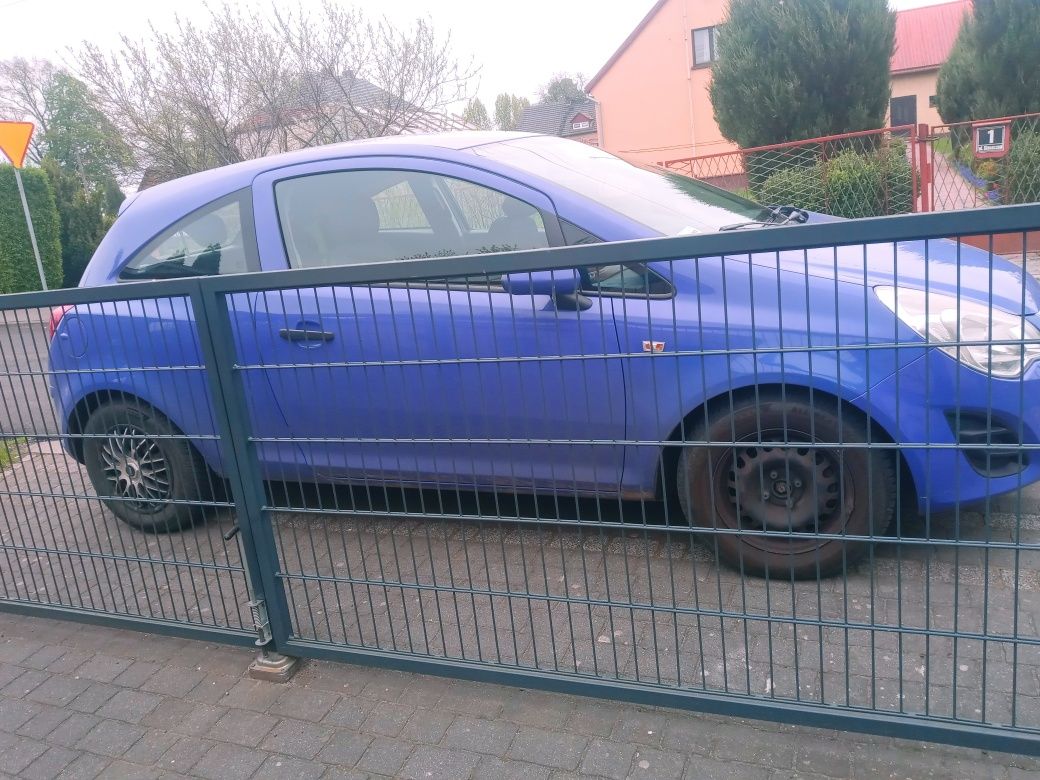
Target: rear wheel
[(150, 479), (772, 498)]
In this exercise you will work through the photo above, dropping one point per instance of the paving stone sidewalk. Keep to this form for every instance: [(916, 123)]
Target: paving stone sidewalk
[(82, 701)]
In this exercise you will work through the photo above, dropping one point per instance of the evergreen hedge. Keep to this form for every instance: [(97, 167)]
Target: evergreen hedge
[(994, 67), (18, 271), (802, 69)]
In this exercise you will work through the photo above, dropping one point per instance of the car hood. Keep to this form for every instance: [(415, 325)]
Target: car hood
[(938, 265)]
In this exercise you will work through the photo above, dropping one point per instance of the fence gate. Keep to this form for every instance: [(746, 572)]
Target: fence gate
[(63, 553), (989, 162)]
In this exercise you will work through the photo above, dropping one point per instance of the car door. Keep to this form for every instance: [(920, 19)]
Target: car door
[(439, 383)]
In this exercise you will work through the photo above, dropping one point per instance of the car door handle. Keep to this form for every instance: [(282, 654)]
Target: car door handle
[(305, 334)]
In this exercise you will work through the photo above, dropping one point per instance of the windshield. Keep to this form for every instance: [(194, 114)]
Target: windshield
[(667, 203)]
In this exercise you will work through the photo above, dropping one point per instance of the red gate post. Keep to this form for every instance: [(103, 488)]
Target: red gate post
[(923, 155)]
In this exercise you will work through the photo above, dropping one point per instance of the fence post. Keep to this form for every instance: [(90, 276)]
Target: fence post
[(923, 154), (259, 551)]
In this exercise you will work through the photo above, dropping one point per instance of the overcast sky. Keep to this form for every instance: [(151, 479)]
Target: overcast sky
[(517, 45)]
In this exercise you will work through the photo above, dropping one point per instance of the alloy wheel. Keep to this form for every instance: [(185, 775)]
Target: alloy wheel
[(135, 468)]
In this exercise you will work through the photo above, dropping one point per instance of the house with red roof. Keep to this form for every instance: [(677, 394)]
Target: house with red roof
[(924, 38), (652, 93)]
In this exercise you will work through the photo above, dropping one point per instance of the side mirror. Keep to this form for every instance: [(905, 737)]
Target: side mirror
[(557, 283)]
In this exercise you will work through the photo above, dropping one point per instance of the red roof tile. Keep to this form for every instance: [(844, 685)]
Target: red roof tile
[(925, 36)]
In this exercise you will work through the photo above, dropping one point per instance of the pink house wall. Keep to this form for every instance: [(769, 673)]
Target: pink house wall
[(657, 82), (654, 103)]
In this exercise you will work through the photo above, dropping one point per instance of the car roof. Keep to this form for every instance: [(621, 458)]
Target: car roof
[(216, 182)]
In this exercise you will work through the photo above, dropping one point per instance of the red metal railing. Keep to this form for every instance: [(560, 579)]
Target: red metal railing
[(866, 173)]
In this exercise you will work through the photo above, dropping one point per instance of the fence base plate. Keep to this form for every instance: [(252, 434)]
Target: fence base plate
[(273, 667)]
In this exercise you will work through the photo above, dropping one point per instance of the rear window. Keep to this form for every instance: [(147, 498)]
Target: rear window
[(215, 239)]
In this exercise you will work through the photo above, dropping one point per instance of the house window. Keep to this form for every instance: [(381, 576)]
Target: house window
[(705, 45), (581, 121), (933, 101)]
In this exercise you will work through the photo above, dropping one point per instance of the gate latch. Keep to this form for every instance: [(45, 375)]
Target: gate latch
[(258, 609)]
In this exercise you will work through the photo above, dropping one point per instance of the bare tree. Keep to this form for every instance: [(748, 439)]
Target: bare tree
[(247, 84), (23, 97)]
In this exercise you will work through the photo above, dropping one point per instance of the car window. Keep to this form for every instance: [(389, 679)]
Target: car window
[(615, 278), (399, 209), (664, 201), (575, 236), (624, 279), (351, 217), (207, 242), (480, 207)]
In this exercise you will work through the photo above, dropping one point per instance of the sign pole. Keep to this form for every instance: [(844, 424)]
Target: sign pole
[(29, 222), (14, 143)]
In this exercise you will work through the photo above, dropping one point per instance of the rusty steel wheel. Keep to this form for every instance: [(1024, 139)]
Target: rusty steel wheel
[(766, 500)]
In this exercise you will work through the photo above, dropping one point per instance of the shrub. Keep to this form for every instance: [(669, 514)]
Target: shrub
[(83, 217), (760, 166), (802, 69), (965, 154), (994, 67), (802, 187), (848, 185), (988, 170), (854, 187), (17, 265), (1021, 169), (896, 181)]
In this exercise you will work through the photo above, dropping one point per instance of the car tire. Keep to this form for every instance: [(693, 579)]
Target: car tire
[(783, 497), (154, 482)]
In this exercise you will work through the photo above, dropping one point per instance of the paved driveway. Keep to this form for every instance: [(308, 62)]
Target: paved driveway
[(86, 701), (642, 604), (950, 190), (25, 405)]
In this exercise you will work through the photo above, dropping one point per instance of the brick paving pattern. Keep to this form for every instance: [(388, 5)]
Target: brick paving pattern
[(57, 719), (610, 604)]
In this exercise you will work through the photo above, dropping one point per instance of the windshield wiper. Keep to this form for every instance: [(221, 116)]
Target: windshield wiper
[(777, 216)]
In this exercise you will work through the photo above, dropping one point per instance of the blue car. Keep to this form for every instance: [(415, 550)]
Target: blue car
[(625, 381)]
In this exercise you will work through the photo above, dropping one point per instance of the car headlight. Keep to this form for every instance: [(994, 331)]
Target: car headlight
[(951, 321)]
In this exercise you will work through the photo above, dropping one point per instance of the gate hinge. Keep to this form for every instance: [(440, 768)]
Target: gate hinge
[(258, 609)]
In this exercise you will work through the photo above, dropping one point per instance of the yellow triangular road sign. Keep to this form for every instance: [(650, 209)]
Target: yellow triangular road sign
[(14, 140)]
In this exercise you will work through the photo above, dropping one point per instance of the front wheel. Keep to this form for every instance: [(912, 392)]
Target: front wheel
[(151, 477), (767, 499)]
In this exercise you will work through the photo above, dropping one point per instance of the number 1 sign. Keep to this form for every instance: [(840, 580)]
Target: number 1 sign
[(992, 140)]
